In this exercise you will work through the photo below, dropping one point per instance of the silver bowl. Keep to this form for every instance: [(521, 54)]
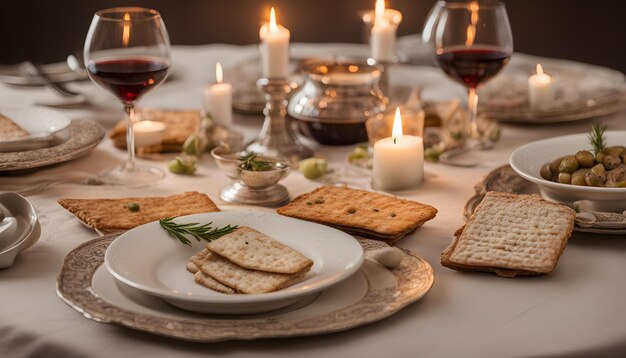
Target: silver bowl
[(252, 187)]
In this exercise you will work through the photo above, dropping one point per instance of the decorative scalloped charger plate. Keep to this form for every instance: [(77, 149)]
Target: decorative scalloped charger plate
[(84, 136), (371, 294)]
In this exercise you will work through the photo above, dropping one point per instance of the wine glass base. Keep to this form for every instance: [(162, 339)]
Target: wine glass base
[(469, 155), (137, 176)]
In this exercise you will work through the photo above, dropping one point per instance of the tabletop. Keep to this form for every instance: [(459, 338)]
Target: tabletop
[(578, 310)]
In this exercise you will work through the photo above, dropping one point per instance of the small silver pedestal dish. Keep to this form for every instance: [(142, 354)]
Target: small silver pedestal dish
[(276, 137), (336, 100), (252, 187)]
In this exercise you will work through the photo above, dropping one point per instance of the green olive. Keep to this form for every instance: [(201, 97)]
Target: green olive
[(569, 164), (545, 172), (598, 170), (611, 162), (585, 159), (578, 177), (616, 150), (313, 168), (183, 164), (596, 176), (554, 166), (565, 178)]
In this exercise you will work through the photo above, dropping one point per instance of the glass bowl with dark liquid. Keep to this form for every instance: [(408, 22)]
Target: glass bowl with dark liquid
[(331, 107)]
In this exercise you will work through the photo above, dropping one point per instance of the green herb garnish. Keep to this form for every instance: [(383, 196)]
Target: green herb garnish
[(198, 231), (134, 207), (250, 162), (596, 137)]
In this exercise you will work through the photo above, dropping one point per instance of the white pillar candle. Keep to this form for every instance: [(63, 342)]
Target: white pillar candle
[(148, 133), (218, 99), (274, 49), (398, 161), (540, 89), (383, 36)]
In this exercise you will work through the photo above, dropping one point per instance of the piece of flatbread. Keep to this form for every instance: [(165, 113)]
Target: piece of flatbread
[(359, 212), (179, 125), (245, 280), (111, 215), (256, 251), (9, 129), (512, 235)]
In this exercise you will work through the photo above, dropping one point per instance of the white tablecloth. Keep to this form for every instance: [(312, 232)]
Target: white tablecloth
[(579, 310)]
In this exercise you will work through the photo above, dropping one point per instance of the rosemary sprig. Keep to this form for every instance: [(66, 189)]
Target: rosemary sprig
[(250, 162), (198, 231), (596, 137)]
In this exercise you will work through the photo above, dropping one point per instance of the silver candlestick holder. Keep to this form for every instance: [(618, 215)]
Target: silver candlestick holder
[(276, 137)]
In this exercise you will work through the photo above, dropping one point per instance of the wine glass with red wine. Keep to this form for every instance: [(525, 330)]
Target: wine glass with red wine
[(472, 42), (127, 52)]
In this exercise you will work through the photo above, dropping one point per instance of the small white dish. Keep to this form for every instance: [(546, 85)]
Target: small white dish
[(23, 234), (528, 159), (147, 258), (45, 127)]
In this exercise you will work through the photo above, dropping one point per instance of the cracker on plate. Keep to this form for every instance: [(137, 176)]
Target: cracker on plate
[(111, 215), (511, 235), (360, 212), (245, 280), (10, 130), (256, 251), (179, 125)]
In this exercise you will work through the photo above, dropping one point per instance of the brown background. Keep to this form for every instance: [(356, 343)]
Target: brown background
[(42, 31)]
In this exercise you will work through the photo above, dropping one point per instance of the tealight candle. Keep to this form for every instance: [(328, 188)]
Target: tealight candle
[(398, 161), (274, 49), (540, 88), (218, 99), (383, 36), (148, 133)]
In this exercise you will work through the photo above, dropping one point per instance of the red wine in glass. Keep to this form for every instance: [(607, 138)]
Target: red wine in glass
[(473, 66), (130, 78)]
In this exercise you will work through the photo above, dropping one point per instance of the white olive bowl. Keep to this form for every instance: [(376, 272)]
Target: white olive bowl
[(24, 231), (528, 159)]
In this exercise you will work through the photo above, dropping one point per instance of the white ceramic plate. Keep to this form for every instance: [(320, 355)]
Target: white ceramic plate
[(528, 159), (147, 258), (40, 123)]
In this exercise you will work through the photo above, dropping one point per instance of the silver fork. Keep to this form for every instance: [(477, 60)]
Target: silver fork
[(36, 71)]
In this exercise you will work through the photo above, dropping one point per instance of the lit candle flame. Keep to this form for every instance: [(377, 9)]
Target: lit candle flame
[(126, 30), (379, 13), (396, 131), (473, 7), (219, 75), (273, 26), (540, 70)]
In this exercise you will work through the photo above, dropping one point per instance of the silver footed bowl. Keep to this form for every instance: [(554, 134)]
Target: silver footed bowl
[(260, 179)]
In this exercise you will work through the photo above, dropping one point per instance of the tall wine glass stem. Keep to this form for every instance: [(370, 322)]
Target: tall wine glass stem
[(130, 137), (472, 107)]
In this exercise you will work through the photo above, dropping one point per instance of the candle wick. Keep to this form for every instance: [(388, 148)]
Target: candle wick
[(394, 140)]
